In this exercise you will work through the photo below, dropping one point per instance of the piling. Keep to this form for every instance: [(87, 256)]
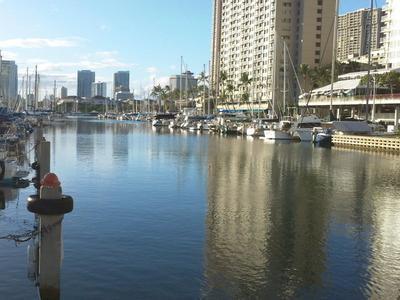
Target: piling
[(50, 206)]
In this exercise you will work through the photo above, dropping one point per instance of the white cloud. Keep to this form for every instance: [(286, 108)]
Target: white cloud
[(41, 43), (93, 61)]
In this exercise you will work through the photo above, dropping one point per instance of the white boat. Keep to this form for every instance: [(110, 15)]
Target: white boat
[(303, 127), (250, 131), (277, 134)]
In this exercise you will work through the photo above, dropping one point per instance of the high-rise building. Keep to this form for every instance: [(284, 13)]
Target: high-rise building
[(64, 92), (85, 80), (353, 33), (8, 81), (121, 81), (249, 37), (99, 89), (392, 33), (186, 79)]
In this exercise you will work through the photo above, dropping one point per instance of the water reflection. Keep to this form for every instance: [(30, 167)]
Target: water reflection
[(6, 195), (295, 221)]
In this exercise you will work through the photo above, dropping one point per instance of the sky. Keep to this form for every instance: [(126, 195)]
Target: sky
[(146, 37)]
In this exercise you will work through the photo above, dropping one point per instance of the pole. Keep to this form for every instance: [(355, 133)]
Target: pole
[(373, 100), (36, 87), (334, 53), (369, 61), (284, 77), (204, 89), (186, 85), (209, 87), (180, 86), (27, 89), (54, 95)]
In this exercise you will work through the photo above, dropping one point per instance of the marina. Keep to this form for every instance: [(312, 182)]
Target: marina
[(226, 149), (189, 215)]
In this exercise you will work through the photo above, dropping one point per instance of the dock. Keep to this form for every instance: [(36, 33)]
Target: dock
[(384, 143)]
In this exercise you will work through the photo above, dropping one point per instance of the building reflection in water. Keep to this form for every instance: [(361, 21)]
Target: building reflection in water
[(295, 221)]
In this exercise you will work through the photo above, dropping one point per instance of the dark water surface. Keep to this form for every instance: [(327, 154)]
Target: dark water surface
[(161, 215)]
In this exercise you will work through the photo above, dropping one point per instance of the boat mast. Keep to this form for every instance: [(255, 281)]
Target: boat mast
[(334, 53), (274, 74), (26, 89), (36, 88), (186, 85), (204, 89), (180, 86), (284, 77), (209, 87), (369, 61), (54, 95)]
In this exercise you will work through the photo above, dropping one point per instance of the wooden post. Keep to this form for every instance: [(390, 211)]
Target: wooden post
[(50, 254), (51, 206)]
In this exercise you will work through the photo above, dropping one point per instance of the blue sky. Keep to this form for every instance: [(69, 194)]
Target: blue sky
[(146, 37)]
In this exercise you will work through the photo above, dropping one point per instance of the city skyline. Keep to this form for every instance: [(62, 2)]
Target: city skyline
[(131, 36)]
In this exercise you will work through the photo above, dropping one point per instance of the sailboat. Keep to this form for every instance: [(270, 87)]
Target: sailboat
[(280, 131)]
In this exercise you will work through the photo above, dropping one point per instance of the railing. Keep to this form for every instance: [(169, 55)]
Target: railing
[(378, 143)]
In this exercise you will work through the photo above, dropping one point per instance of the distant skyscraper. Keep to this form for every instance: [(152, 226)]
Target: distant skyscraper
[(85, 80), (354, 31), (121, 81), (64, 92), (186, 79), (99, 89), (8, 81)]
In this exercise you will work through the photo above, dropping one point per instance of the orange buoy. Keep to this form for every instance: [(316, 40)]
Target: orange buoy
[(50, 180)]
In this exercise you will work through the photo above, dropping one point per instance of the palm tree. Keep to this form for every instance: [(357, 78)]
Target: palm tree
[(304, 71), (245, 81), (223, 77), (230, 88)]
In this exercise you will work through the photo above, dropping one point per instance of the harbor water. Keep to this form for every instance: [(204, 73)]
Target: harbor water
[(163, 214)]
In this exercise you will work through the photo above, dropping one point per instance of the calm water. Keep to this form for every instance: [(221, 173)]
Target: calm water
[(162, 215)]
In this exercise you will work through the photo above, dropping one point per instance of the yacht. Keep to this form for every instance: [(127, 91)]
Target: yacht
[(303, 127)]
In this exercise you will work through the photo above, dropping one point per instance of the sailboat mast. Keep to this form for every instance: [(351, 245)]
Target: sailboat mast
[(369, 61), (284, 77), (26, 89), (209, 87), (54, 95), (274, 74), (334, 53), (36, 88), (186, 85), (180, 86), (204, 89)]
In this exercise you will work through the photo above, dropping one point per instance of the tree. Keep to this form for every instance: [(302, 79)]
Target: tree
[(223, 77), (245, 81), (305, 72)]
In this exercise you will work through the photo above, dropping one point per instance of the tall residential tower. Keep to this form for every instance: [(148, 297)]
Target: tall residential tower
[(8, 81), (249, 37), (353, 33), (85, 80)]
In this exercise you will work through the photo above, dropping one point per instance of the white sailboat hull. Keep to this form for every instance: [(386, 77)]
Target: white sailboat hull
[(277, 135)]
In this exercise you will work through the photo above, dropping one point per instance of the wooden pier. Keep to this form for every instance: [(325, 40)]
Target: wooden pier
[(387, 143)]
